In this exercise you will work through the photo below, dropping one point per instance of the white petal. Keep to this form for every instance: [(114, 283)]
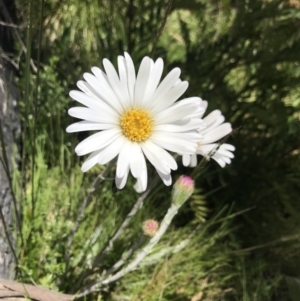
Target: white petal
[(124, 159), (87, 89), (103, 89), (224, 153), (138, 186), (180, 146), (96, 94), (92, 103), (227, 160), (160, 153), (136, 160), (174, 113), (186, 160), (167, 99), (151, 64), (92, 115), (207, 149), (219, 151), (142, 81), (215, 149), (197, 100), (111, 151), (165, 85), (190, 136), (220, 162), (153, 156), (212, 117), (88, 126), (97, 141), (203, 105), (90, 161), (141, 183), (189, 125), (228, 147), (177, 82), (121, 181), (154, 78), (113, 79), (182, 122), (130, 76), (217, 133), (212, 126), (166, 178), (124, 81), (100, 75), (193, 160)]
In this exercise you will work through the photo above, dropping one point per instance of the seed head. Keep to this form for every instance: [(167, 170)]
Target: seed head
[(150, 227)]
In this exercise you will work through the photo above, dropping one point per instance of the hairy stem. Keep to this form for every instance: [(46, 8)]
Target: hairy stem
[(136, 207), (148, 248), (139, 257)]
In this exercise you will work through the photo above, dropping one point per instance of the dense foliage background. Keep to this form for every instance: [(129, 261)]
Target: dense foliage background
[(241, 56)]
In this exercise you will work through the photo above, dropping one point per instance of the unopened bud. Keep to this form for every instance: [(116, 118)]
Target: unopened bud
[(150, 227), (182, 190)]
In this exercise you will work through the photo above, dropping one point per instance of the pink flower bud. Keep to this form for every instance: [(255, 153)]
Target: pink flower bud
[(182, 189), (150, 227)]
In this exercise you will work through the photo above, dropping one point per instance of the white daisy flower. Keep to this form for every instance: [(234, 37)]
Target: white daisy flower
[(136, 117), (208, 147)]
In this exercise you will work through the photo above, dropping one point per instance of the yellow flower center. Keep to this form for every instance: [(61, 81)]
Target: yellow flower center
[(136, 124)]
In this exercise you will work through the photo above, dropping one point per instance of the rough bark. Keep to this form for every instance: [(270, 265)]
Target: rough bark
[(11, 129), (10, 123)]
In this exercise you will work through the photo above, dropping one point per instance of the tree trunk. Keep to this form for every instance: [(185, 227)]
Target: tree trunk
[(10, 124)]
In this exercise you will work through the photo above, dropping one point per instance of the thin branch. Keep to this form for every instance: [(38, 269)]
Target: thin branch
[(139, 257), (159, 32), (6, 57), (166, 251), (9, 24), (148, 248), (8, 18), (136, 207), (93, 239), (126, 256)]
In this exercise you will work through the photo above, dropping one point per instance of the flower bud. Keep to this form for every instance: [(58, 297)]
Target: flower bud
[(182, 190), (150, 227)]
